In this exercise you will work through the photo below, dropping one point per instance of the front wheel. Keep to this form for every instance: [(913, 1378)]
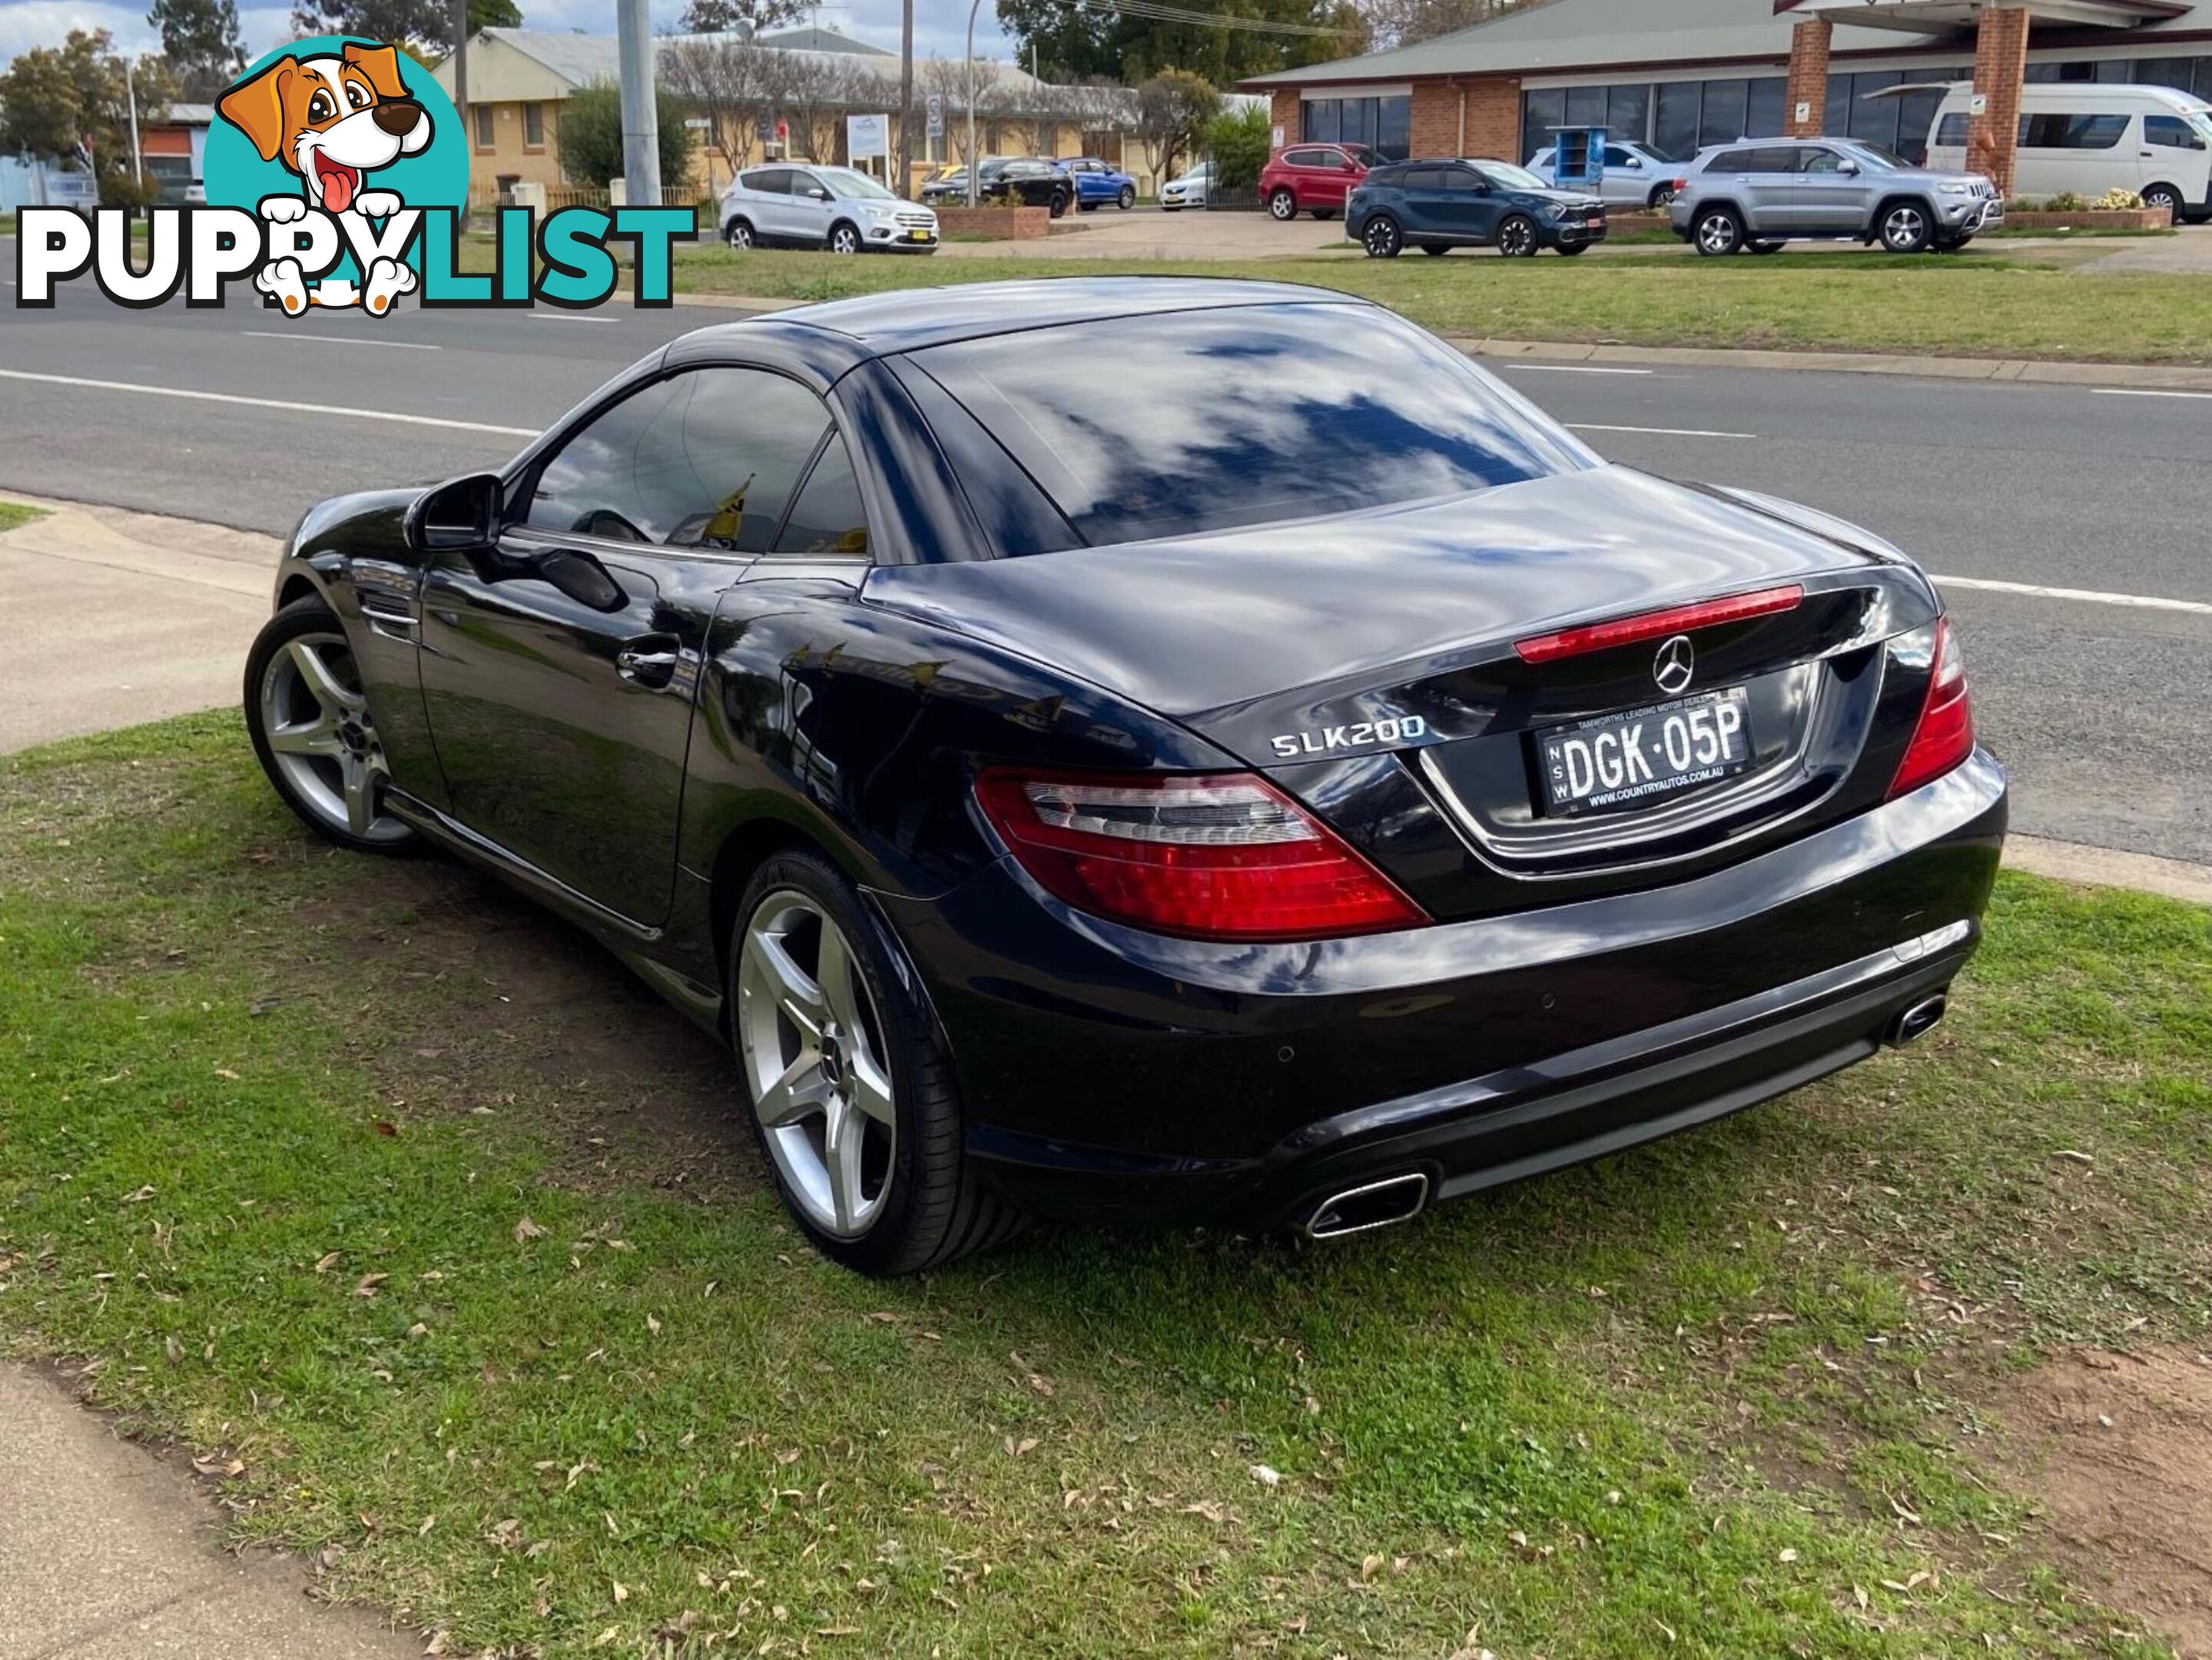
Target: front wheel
[(1381, 237), (1573, 250), (853, 1090), (1662, 196), (1058, 205), (1517, 237), (2167, 196), (1282, 205), (308, 716), (1436, 249), (1128, 198), (844, 238), (1718, 234), (1905, 229), (738, 235)]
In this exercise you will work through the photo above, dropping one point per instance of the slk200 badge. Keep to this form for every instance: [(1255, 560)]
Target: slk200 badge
[(1360, 734)]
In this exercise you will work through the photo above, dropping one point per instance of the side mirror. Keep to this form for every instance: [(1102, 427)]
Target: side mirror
[(459, 515), (1636, 162), (819, 194), (1849, 166)]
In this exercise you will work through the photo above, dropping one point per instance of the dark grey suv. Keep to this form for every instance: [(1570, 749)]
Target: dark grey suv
[(1757, 196)]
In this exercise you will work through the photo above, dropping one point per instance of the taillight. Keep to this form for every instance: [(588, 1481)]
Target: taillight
[(1218, 856), (1945, 735), (1682, 185), (1657, 624)]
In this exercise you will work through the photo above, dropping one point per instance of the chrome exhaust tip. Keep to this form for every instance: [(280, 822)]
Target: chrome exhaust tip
[(1916, 1021), (1376, 1205)]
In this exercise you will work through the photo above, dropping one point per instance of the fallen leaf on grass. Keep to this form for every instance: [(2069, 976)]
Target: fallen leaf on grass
[(366, 1287), (324, 1263), (1265, 1476), (526, 1230)]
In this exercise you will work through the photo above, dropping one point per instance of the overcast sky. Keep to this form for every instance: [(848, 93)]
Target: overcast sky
[(940, 26)]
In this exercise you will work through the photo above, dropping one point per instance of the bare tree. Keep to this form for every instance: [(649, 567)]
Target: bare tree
[(730, 83), (1172, 109), (1404, 22), (821, 90), (993, 98)]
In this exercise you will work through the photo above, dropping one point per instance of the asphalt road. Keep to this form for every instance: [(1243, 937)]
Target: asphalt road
[(2100, 709)]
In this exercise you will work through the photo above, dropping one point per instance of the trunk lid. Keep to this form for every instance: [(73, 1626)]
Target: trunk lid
[(1368, 661)]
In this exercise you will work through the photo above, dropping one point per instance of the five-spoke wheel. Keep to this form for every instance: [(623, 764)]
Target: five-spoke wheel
[(314, 732)]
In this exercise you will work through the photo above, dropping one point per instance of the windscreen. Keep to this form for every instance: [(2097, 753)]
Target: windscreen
[(1167, 425)]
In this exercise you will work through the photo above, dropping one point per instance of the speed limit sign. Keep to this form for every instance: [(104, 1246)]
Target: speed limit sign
[(935, 104)]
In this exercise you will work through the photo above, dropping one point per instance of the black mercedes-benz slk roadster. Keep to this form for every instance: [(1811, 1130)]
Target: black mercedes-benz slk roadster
[(1191, 749)]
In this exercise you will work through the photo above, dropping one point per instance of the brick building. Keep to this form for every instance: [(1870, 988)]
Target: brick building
[(1681, 74)]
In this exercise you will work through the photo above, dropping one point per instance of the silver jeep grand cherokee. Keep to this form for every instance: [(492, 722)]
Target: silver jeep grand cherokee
[(1759, 194)]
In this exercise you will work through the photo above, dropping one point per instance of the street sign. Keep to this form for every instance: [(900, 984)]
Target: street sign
[(867, 135), (935, 104), (767, 128)]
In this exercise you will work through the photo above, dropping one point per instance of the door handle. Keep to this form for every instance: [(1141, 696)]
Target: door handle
[(650, 662)]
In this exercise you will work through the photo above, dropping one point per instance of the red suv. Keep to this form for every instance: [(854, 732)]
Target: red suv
[(1314, 179)]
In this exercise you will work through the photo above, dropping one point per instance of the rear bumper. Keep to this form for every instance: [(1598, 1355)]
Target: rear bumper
[(1109, 1073)]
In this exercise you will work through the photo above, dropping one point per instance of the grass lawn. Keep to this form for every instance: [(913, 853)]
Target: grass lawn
[(404, 1207), (1970, 306), (14, 515)]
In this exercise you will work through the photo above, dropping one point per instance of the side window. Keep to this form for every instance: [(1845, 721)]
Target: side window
[(1617, 157), (2072, 132), (1951, 133), (770, 181), (828, 519), (704, 459), (1778, 159), (1302, 159), (2172, 132), (1730, 162), (1466, 180), (801, 182), (1822, 161)]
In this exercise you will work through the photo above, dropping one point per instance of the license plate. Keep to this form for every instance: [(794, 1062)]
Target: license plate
[(1645, 756), (917, 236)]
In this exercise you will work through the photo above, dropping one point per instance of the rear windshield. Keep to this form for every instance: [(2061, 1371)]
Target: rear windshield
[(1171, 425)]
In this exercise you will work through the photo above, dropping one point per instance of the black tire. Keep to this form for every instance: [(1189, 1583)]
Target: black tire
[(1324, 213), (845, 237), (1381, 238), (1517, 237), (304, 617), (1662, 196), (1087, 207), (1905, 228), (1953, 245), (1437, 248), (1573, 250), (2167, 197), (1717, 233), (936, 1210), (1128, 198), (1058, 205), (1282, 205), (1764, 248), (737, 234)]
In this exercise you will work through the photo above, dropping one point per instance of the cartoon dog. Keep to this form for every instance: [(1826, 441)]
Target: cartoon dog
[(333, 120)]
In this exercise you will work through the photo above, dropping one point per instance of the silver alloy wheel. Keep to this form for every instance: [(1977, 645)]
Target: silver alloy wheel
[(318, 726), (1663, 196), (1282, 205), (1905, 229), (843, 239), (741, 235), (813, 1054), (1516, 237), (2164, 196), (1718, 234)]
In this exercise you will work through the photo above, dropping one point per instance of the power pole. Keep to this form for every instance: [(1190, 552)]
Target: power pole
[(906, 100), (461, 97), (130, 92), (639, 115)]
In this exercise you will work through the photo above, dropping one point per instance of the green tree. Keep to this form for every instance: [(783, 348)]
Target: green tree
[(1237, 141), (430, 22), (201, 40), (53, 99), (1078, 42), (590, 139), (721, 16), (1173, 109)]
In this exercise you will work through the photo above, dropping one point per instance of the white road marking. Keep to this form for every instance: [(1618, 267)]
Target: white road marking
[(2143, 391), (1573, 368), (1660, 432), (2079, 596), (336, 340), (270, 403)]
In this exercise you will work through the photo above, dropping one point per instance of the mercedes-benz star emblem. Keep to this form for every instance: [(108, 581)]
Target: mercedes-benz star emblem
[(1674, 664)]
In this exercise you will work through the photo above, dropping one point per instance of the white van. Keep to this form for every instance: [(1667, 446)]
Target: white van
[(2090, 138)]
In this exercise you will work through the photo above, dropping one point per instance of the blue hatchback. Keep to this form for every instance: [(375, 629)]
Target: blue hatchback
[(1438, 205), (1097, 183)]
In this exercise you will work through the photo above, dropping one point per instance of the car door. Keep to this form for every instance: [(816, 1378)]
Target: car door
[(1829, 194), (1468, 204), (558, 668), (770, 189), (811, 208), (2175, 153), (1627, 182)]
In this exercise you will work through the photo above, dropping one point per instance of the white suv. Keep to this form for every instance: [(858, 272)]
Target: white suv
[(798, 205)]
